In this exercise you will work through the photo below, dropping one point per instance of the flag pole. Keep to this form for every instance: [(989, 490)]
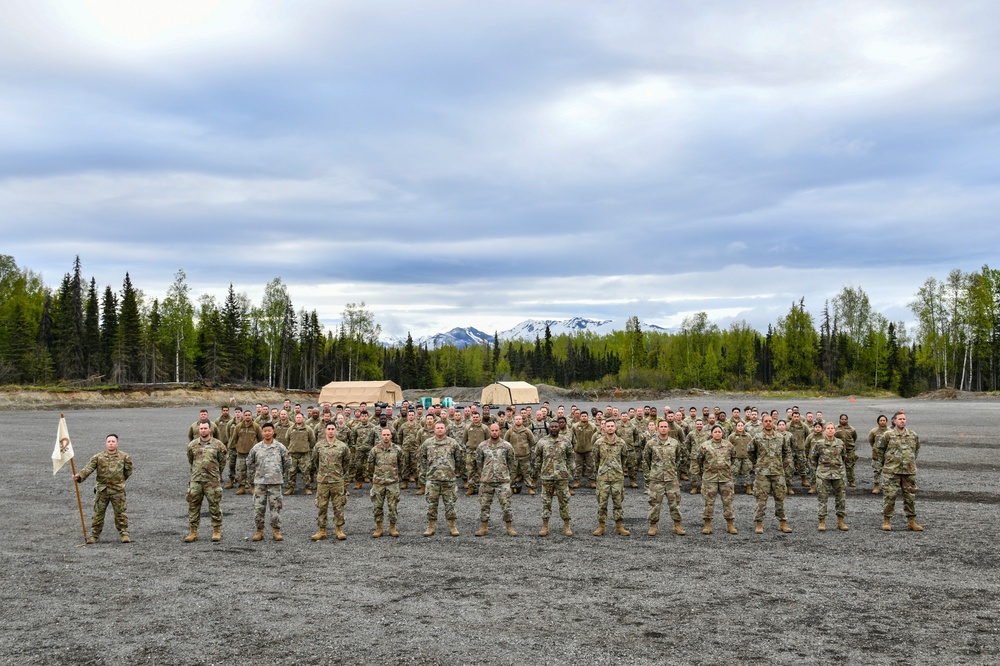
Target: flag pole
[(76, 485)]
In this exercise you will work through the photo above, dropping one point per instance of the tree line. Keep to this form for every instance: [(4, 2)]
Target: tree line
[(82, 333)]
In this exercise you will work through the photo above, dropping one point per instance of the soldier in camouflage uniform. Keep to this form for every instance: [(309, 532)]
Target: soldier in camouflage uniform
[(523, 442), (494, 460), (206, 458), (611, 456), (827, 458), (633, 439), (800, 451), (772, 455), (202, 418), (660, 458), (267, 466), (331, 459), (300, 440), (225, 425), (881, 425), (113, 469), (712, 461), (553, 458), (245, 435), (694, 439), (438, 459), (365, 435), (811, 438), (897, 451), (408, 437), (583, 450), (742, 465), (849, 436), (474, 434), (383, 469), (425, 433)]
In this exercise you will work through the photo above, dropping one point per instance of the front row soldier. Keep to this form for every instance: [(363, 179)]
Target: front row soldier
[(438, 458), (659, 469), (897, 451), (712, 462), (331, 459), (611, 457), (113, 468), (773, 455), (206, 457), (267, 464), (827, 457), (554, 460), (494, 460), (383, 469)]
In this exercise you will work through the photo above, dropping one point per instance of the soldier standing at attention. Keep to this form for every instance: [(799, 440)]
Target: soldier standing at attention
[(882, 424), (364, 439), (611, 457), (267, 465), (659, 463), (897, 451), (438, 459), (245, 435), (331, 459), (113, 468), (523, 442), (742, 465), (206, 458), (300, 440), (474, 434), (827, 458), (553, 456), (494, 460), (848, 435), (773, 455), (713, 462), (383, 468), (583, 450)]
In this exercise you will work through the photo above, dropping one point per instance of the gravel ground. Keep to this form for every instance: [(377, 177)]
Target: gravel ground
[(864, 596)]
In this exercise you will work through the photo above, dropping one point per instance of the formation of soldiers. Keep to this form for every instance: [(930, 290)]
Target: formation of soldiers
[(335, 448)]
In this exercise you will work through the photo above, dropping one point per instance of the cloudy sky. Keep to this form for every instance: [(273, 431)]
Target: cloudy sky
[(470, 163)]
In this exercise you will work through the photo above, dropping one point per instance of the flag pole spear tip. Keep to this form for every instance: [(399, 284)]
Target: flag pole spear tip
[(61, 415)]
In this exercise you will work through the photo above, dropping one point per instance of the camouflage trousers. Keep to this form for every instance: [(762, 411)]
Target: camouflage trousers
[(382, 494), (656, 491), (241, 469), (584, 466), (799, 457), (504, 495), (331, 493), (301, 464), (725, 490), (684, 462), (408, 468), (210, 491), (764, 485), (447, 491), (360, 462), (559, 488), (839, 488), (632, 462), (231, 456), (850, 457), (876, 469), (521, 472), (471, 472), (892, 484), (118, 505), (742, 467), (615, 490), (267, 496)]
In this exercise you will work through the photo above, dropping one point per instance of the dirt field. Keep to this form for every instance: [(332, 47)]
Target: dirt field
[(864, 596)]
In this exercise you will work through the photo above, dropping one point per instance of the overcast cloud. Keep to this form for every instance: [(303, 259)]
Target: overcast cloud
[(478, 164)]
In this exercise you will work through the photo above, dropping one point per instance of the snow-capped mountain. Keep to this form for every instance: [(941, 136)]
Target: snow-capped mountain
[(527, 330)]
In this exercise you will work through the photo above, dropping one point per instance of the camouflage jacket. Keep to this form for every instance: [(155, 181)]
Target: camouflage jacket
[(827, 458), (244, 436), (206, 459), (898, 451), (771, 453), (474, 435), (610, 458), (113, 470), (300, 439), (875, 434), (741, 445), (439, 459), (553, 458), (583, 437), (522, 439), (847, 434), (225, 426), (629, 434), (193, 430), (281, 431), (409, 435), (754, 428), (383, 464), (494, 461), (365, 435), (799, 433), (331, 460), (660, 459), (713, 461), (267, 465), (696, 437)]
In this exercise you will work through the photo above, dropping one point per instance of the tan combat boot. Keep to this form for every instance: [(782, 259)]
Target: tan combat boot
[(620, 529), (309, 491), (242, 490), (730, 527), (877, 490), (678, 530), (812, 491), (841, 525), (420, 490), (378, 529), (404, 485), (392, 530), (886, 524), (545, 527), (749, 490), (789, 490), (320, 534), (783, 526), (258, 535), (93, 539), (758, 527), (216, 534), (483, 530), (276, 534), (652, 530), (593, 484), (822, 524), (431, 524), (566, 530), (290, 491), (357, 485), (470, 491), (707, 529), (192, 535), (805, 482), (600, 529), (231, 484), (127, 539), (338, 532), (510, 529), (531, 491), (451, 527), (852, 484), (632, 483), (911, 523)]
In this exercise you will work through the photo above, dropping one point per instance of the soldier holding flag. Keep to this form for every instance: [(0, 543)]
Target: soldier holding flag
[(113, 469)]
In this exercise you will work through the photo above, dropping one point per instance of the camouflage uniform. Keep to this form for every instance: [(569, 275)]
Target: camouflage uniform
[(713, 462), (365, 437), (301, 440), (633, 439), (742, 465), (611, 458), (800, 451), (522, 440), (583, 451), (691, 444), (438, 464), (554, 459), (267, 466), (474, 434), (383, 468), (827, 458), (873, 436), (206, 460), (897, 451), (113, 470), (245, 436), (659, 464), (409, 440), (193, 430), (331, 460), (849, 436), (772, 454), (494, 461)]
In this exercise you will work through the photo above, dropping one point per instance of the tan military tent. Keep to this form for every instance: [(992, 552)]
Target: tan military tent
[(509, 393), (354, 393)]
